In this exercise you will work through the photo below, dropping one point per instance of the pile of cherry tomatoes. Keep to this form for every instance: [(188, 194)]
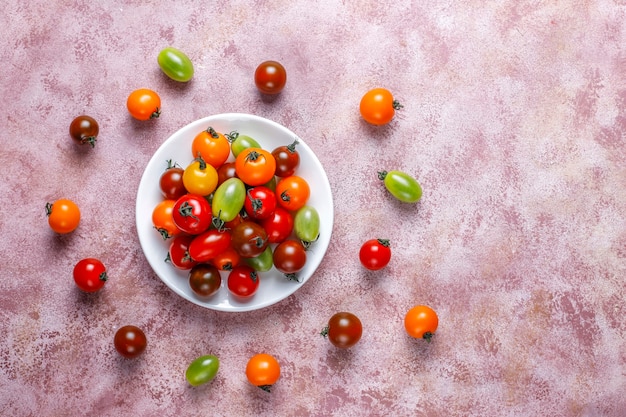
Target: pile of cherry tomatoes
[(241, 210), (239, 215)]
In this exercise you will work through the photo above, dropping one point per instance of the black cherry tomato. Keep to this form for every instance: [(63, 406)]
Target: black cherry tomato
[(84, 129)]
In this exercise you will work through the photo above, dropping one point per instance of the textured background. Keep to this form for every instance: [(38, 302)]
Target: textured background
[(514, 123)]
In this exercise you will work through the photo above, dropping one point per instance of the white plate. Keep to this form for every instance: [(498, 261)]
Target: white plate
[(273, 285)]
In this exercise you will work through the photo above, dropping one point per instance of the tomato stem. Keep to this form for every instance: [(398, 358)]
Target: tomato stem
[(428, 336), (384, 242), (48, 209), (232, 136), (382, 175), (396, 105), (186, 210), (156, 113), (164, 234), (90, 140), (201, 162), (292, 148), (103, 276), (292, 277), (324, 332), (212, 132), (266, 388)]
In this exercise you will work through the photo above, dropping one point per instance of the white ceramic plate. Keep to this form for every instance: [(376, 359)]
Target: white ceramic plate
[(273, 285)]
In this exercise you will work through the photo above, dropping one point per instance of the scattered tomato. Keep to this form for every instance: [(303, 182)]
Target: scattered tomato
[(421, 322), (90, 274), (144, 104), (63, 216), (202, 370), (378, 106), (263, 371), (84, 129), (270, 77), (401, 185), (175, 64), (130, 341), (375, 254), (344, 330)]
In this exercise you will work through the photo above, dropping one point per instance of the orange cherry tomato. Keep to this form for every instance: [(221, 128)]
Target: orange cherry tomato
[(421, 322), (255, 166), (63, 216), (263, 370), (163, 219), (144, 104), (227, 259), (378, 106), (292, 192), (212, 146)]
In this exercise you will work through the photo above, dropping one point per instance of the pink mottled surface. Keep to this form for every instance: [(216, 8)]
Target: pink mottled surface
[(514, 122)]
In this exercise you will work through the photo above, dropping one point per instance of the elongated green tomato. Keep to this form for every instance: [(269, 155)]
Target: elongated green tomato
[(262, 262), (306, 224), (242, 142), (202, 370), (175, 64), (228, 200), (401, 185)]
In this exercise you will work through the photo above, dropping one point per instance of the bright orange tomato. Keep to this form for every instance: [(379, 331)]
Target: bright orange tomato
[(378, 106), (212, 146), (200, 178), (255, 166), (292, 192), (421, 322), (144, 104), (63, 216), (263, 370), (163, 219)]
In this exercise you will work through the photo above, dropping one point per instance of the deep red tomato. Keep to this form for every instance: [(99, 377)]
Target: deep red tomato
[(226, 171), (287, 159), (243, 281), (90, 274), (249, 239), (205, 280), (178, 254), (171, 182), (226, 260), (278, 225), (84, 129), (130, 341), (292, 192), (260, 202), (375, 254), (192, 214), (209, 244), (344, 330), (270, 77), (289, 257)]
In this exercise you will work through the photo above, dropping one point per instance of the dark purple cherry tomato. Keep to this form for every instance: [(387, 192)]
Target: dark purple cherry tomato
[(289, 257), (130, 341), (344, 330), (205, 280), (270, 77), (249, 239), (287, 159), (171, 182), (84, 129)]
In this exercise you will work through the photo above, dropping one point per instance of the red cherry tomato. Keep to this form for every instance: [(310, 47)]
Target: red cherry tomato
[(243, 281), (278, 225), (192, 214), (287, 159), (344, 330), (270, 77), (178, 254), (90, 274), (209, 244), (375, 254), (171, 182), (260, 202), (289, 257), (130, 341)]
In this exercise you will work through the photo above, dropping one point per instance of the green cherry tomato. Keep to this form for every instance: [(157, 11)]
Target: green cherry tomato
[(401, 185), (242, 142), (175, 64), (262, 262), (306, 224), (202, 370), (228, 199)]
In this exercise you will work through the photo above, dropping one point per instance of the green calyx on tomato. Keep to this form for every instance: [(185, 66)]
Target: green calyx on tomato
[(401, 185)]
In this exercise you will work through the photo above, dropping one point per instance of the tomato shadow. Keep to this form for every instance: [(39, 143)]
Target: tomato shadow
[(173, 85), (378, 132), (269, 98)]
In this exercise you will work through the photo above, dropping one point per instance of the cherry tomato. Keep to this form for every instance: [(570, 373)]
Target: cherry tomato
[(204, 280), (307, 225), (226, 171), (292, 192), (144, 104), (84, 129), (178, 253), (171, 182), (200, 178), (287, 159), (270, 77), (202, 370), (344, 330), (63, 216), (289, 257), (130, 341), (260, 202), (163, 219), (209, 244), (263, 262), (378, 106), (175, 64), (228, 200), (249, 239), (255, 166), (241, 142), (263, 371), (227, 259), (401, 185), (278, 225), (192, 214), (375, 254), (90, 274), (243, 281), (421, 322), (212, 146)]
